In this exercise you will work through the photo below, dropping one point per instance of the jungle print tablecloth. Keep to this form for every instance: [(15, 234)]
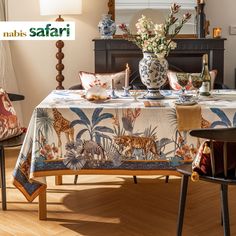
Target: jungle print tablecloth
[(68, 133)]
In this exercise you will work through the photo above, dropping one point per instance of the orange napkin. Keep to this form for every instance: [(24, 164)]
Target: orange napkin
[(153, 104), (188, 117)]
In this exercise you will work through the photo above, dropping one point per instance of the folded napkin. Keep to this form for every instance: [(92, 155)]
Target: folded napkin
[(188, 117), (153, 104)]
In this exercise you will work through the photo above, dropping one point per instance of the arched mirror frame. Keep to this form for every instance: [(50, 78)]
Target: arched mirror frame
[(111, 10)]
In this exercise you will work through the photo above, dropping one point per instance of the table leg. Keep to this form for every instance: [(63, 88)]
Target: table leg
[(58, 180), (43, 205)]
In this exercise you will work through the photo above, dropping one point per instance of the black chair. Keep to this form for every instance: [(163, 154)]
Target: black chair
[(8, 143), (228, 177)]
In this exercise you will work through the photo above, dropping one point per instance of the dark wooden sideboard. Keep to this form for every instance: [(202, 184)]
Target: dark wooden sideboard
[(111, 55)]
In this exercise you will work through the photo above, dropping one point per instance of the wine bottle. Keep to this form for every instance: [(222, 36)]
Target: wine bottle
[(206, 78)]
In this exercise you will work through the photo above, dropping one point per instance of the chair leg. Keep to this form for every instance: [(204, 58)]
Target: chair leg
[(182, 202), (3, 179), (135, 179), (75, 179), (167, 179), (221, 217), (225, 209)]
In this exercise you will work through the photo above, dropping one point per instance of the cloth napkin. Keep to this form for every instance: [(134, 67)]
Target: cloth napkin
[(153, 104), (188, 117)]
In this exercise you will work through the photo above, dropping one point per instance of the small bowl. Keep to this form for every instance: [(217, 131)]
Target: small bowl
[(185, 98), (135, 94)]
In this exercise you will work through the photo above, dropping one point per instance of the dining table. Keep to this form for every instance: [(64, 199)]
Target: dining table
[(123, 135)]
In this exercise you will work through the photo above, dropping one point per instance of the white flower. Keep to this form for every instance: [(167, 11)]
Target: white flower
[(149, 48), (162, 47), (156, 38), (159, 29), (154, 44), (173, 45)]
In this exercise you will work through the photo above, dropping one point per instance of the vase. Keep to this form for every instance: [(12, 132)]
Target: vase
[(153, 74), (106, 27)]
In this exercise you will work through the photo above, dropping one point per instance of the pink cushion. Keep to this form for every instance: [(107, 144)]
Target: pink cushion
[(9, 123), (104, 79), (174, 83)]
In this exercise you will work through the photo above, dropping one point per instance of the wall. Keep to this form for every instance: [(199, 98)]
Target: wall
[(222, 14), (35, 61)]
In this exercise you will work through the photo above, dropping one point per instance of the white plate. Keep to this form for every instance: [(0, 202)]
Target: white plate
[(99, 101)]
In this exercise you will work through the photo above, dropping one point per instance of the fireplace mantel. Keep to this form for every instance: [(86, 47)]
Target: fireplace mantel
[(111, 55)]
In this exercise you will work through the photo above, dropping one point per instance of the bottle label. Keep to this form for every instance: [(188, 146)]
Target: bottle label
[(205, 88)]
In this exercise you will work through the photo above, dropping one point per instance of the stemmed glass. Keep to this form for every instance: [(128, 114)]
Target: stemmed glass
[(135, 94), (196, 81), (183, 80)]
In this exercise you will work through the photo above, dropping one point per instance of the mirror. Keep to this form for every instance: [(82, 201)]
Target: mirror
[(129, 11)]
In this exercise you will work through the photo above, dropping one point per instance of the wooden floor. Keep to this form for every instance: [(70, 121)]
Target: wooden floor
[(115, 206)]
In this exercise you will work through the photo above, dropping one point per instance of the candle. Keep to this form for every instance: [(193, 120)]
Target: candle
[(127, 73), (112, 84), (217, 32)]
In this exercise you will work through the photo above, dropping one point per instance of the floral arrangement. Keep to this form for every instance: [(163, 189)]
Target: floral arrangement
[(157, 38)]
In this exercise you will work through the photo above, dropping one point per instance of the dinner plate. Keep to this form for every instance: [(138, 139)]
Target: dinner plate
[(96, 100), (99, 101)]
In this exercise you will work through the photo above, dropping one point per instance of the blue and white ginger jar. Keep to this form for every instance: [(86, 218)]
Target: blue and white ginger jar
[(106, 27)]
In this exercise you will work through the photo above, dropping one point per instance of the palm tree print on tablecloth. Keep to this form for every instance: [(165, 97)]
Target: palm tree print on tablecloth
[(94, 149), (96, 132), (44, 121), (224, 120), (45, 150)]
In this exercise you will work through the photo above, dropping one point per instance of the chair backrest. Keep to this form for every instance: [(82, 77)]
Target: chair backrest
[(222, 144), (15, 97)]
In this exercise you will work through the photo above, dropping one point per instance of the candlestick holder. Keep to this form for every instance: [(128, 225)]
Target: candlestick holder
[(113, 94), (126, 92)]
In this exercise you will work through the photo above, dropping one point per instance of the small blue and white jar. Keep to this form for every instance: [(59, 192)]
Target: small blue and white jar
[(107, 27)]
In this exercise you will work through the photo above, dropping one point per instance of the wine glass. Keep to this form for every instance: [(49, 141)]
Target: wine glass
[(135, 94), (196, 81), (183, 80)]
